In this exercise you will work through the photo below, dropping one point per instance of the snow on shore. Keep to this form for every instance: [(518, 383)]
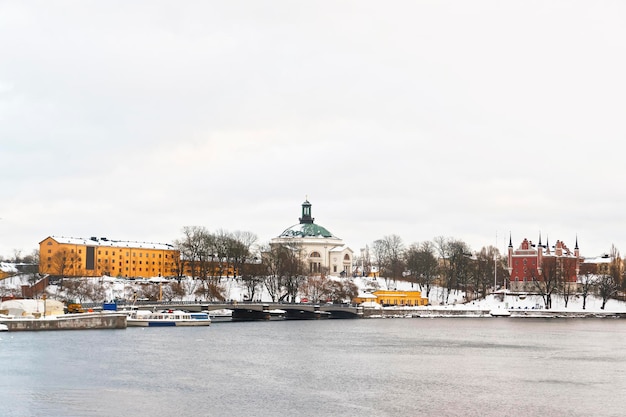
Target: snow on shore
[(116, 288)]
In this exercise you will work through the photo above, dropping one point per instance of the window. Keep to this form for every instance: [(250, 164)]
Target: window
[(315, 255)]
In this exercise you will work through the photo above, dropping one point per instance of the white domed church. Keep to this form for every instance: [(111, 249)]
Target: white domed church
[(323, 252)]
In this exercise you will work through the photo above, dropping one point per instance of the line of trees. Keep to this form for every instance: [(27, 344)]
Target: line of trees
[(445, 262), (279, 269), (451, 264)]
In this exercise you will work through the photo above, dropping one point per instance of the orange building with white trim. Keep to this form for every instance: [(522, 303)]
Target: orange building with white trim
[(95, 257)]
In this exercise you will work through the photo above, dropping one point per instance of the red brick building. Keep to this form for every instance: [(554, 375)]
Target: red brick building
[(531, 263)]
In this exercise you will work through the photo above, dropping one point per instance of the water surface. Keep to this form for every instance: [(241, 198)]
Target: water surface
[(382, 367)]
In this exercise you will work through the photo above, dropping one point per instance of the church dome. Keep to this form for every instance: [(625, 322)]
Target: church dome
[(307, 227), (306, 230)]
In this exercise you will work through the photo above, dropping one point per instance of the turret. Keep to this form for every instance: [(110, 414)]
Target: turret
[(306, 213)]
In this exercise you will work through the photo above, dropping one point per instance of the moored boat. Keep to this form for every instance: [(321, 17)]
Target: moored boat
[(167, 318), (220, 315), (497, 312)]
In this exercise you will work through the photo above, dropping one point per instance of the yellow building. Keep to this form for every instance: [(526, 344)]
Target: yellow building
[(394, 298), (7, 270), (94, 257)]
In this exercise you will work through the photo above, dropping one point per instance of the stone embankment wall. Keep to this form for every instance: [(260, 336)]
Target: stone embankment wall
[(69, 322)]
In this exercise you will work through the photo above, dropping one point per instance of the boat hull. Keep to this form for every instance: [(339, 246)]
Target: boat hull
[(166, 323)]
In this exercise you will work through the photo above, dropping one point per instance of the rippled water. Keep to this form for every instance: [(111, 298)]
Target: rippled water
[(384, 367)]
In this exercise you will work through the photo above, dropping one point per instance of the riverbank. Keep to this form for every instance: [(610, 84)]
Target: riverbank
[(444, 312)]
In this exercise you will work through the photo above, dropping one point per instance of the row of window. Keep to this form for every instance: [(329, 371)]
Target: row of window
[(106, 253), (107, 261), (346, 257), (153, 270)]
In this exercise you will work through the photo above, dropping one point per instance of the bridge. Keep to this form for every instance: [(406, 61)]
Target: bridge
[(257, 311)]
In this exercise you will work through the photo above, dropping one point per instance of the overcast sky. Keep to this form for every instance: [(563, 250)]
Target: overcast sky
[(465, 119)]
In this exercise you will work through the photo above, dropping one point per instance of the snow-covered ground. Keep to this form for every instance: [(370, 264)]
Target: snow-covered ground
[(115, 288), (509, 301)]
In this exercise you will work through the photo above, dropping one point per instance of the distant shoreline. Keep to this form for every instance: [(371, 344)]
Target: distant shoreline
[(442, 312)]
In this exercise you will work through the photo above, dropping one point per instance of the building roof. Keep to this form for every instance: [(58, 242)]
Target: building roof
[(307, 230), (307, 226), (104, 242)]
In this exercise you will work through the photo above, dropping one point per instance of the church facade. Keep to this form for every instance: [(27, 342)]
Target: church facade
[(322, 252)]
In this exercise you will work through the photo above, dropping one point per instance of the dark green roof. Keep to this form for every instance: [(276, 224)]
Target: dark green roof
[(306, 230)]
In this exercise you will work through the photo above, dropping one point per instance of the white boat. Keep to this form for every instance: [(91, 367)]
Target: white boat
[(220, 315), (4, 327), (147, 318), (497, 312)]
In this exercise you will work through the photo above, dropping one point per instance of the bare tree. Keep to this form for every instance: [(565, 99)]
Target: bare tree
[(587, 281), (210, 291), (176, 290), (294, 272), (567, 289), (547, 280), (422, 265), (389, 253), (454, 263), (191, 247), (95, 292), (340, 291), (616, 268), (315, 287), (607, 287), (83, 290), (63, 263), (252, 278), (239, 250), (486, 265), (285, 268), (150, 291)]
